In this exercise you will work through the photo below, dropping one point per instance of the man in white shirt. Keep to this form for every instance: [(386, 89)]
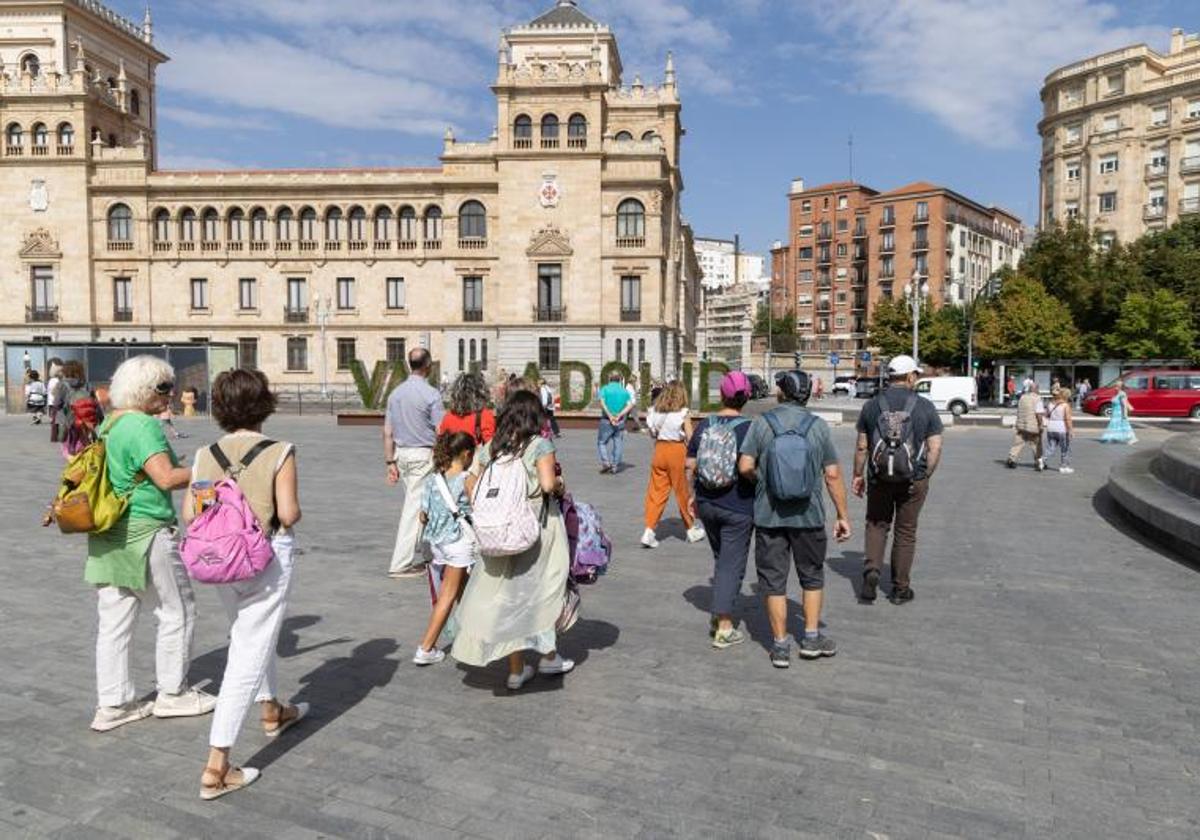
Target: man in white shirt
[(547, 397)]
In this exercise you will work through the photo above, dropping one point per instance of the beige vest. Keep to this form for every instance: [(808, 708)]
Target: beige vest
[(1027, 418), (257, 482)]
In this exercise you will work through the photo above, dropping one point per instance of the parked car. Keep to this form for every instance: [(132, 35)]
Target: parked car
[(843, 385), (956, 394), (758, 387), (866, 388), (1167, 393)]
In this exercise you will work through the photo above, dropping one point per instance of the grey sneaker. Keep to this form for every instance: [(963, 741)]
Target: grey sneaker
[(781, 654), (818, 647), (728, 638)]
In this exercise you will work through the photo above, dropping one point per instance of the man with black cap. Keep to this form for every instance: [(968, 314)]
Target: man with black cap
[(789, 454), (899, 446)]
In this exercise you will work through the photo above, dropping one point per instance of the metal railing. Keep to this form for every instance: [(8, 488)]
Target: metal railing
[(41, 314), (122, 315), (472, 316), (552, 314), (631, 315), (292, 315)]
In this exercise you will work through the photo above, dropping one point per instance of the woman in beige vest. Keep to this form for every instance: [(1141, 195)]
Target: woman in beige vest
[(265, 472)]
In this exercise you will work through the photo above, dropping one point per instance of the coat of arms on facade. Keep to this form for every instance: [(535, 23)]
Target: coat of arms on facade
[(39, 196), (550, 192), (39, 244)]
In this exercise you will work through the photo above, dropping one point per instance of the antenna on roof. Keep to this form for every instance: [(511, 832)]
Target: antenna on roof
[(850, 145)]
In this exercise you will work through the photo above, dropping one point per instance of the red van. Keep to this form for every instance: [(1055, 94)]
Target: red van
[(1165, 393)]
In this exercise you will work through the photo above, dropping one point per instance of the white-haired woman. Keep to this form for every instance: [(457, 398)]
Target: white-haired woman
[(137, 560)]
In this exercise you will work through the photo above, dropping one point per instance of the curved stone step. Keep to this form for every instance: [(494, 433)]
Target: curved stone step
[(1162, 511), (1178, 464)]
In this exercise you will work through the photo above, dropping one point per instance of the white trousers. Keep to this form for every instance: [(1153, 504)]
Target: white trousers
[(256, 609), (170, 592), (415, 465)]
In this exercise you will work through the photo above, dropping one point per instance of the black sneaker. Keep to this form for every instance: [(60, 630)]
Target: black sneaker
[(818, 647), (902, 596), (781, 654), (1011, 464), (870, 586)]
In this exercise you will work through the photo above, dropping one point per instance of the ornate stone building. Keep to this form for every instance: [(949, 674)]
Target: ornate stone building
[(559, 237)]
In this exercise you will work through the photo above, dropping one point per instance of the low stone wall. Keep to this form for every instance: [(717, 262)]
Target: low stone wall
[(1159, 490)]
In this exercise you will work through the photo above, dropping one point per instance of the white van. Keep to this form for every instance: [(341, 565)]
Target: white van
[(956, 394)]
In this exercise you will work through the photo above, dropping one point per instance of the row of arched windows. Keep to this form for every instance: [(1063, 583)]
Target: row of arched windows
[(576, 131), (39, 135), (288, 225), (31, 64), (623, 136)]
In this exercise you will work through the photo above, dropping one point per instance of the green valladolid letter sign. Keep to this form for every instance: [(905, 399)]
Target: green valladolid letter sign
[(707, 369), (385, 378), (568, 388)]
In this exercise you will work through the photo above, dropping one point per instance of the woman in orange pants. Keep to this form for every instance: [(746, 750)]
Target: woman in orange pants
[(671, 427)]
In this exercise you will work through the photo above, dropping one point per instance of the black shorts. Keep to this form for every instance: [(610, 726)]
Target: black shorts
[(776, 548)]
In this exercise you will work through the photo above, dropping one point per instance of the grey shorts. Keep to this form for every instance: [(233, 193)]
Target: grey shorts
[(775, 549)]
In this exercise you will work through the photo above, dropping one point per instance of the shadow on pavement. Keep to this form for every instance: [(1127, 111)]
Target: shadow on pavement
[(289, 639), (850, 566), (577, 643), (1107, 509)]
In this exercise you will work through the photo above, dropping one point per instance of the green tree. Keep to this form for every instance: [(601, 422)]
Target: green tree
[(782, 330), (1157, 325), (943, 331), (1170, 259), (1026, 321), (891, 327)]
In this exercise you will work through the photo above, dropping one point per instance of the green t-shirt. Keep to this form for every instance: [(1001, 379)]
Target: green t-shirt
[(129, 443), (769, 513), (615, 397)]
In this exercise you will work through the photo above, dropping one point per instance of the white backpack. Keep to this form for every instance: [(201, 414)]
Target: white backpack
[(505, 524)]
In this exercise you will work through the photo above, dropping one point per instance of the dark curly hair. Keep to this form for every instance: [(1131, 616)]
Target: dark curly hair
[(242, 399), (449, 446), (520, 421)]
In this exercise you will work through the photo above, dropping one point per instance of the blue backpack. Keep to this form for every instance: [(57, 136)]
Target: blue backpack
[(789, 478)]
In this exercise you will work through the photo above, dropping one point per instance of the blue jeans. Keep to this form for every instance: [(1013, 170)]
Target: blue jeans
[(610, 443)]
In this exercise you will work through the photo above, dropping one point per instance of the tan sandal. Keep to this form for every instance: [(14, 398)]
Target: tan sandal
[(288, 717), (224, 785)]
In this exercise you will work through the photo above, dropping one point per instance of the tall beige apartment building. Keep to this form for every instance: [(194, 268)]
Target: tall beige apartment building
[(557, 238), (1121, 139)]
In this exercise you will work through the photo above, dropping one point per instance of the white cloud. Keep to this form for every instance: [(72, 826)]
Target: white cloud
[(975, 65), (214, 119), (174, 159)]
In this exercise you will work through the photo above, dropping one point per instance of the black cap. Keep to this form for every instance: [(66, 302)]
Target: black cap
[(795, 385)]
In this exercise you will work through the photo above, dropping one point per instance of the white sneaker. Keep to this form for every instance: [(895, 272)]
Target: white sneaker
[(110, 717), (558, 664), (1065, 470), (696, 533), (188, 703), (648, 539), (428, 657), (1041, 465), (515, 681)]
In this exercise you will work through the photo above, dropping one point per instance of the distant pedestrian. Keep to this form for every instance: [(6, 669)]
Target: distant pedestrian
[(1119, 429), (167, 418), (1010, 390), (547, 397), (789, 454), (724, 501), (615, 406), (53, 385), (1060, 428), (265, 472), (467, 408), (669, 423), (35, 397), (898, 449), (414, 411), (635, 419), (1085, 387), (1031, 423), (446, 515), (1028, 384)]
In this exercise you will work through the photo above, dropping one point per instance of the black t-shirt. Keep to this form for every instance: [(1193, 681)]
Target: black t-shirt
[(925, 420), (738, 498)]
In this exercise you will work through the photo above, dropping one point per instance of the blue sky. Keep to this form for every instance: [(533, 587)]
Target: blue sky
[(938, 90)]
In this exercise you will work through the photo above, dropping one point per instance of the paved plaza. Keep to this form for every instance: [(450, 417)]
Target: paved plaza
[(1043, 684)]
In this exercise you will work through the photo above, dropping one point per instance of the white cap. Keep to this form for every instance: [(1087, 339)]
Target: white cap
[(902, 366)]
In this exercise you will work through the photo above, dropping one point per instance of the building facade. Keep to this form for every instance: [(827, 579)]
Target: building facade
[(1121, 139), (725, 264), (850, 246), (558, 238)]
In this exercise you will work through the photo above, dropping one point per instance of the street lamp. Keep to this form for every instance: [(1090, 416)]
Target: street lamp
[(322, 309), (914, 291)]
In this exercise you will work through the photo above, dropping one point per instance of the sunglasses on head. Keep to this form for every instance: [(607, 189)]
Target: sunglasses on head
[(164, 388)]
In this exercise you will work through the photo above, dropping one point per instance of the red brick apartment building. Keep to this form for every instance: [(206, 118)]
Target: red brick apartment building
[(850, 245)]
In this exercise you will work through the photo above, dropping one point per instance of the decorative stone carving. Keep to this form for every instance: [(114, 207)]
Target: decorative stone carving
[(39, 245), (39, 196), (654, 201), (549, 242)]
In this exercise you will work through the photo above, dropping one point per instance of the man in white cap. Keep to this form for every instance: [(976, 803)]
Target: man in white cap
[(899, 447)]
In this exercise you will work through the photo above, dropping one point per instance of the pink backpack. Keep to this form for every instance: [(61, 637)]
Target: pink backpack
[(225, 543)]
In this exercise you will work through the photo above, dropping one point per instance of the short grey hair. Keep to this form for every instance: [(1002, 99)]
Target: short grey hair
[(133, 384)]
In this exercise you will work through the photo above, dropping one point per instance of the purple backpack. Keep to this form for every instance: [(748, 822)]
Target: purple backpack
[(591, 550), (225, 543)]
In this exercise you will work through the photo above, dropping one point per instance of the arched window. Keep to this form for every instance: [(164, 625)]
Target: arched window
[(383, 224), (462, 354), (641, 351), (308, 225), (112, 83), (523, 132), (483, 353), (358, 224), (162, 225), (474, 349), (577, 131), (333, 224), (237, 224), (14, 136), (631, 219), (629, 352), (187, 225), (112, 141), (550, 131), (258, 225), (120, 223), (408, 224), (66, 135), (617, 351), (31, 64), (285, 223), (472, 221), (95, 134), (622, 136), (212, 225), (650, 135), (433, 224), (41, 135), (135, 103)]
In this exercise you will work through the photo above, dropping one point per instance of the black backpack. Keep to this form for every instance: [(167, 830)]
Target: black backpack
[(896, 454)]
